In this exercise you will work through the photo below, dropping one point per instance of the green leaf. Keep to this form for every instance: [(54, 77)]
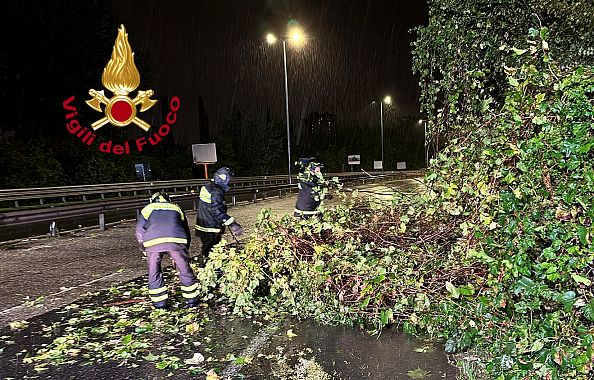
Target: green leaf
[(589, 311), (567, 299), (581, 280), (418, 374), (519, 51), (365, 302), (513, 81), (150, 357), (537, 346), (127, 339), (164, 364), (583, 234), (385, 316), (452, 289), (466, 290), (524, 284)]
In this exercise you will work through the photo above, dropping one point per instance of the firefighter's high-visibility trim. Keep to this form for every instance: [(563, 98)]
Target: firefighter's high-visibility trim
[(190, 295), (190, 288), (162, 240), (207, 229), (307, 212), (205, 196), (156, 299), (148, 210), (158, 290), (229, 221)]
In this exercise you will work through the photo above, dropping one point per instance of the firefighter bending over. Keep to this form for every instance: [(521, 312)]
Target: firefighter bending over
[(312, 188), (163, 228)]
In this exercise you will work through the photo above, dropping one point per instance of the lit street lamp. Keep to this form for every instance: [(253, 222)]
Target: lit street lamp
[(424, 122), (388, 101), (295, 35)]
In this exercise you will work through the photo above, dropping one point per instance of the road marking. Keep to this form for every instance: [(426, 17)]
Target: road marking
[(256, 344), (24, 305)]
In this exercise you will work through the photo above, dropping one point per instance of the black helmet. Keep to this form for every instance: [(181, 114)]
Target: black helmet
[(309, 163), (223, 176), (160, 196)]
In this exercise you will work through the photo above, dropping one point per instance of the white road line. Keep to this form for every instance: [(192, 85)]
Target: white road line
[(256, 344), (24, 305)]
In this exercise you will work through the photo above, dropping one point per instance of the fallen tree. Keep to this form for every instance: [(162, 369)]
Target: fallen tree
[(496, 256)]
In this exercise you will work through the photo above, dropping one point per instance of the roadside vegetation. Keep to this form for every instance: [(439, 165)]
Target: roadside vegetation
[(496, 257)]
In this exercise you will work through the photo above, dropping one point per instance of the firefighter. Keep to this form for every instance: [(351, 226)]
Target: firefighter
[(211, 215), (311, 188), (163, 228)]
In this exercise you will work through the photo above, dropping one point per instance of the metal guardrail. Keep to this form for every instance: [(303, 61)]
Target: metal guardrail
[(82, 192), (237, 194)]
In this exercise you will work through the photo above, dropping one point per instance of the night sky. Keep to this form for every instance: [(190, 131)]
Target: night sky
[(358, 51)]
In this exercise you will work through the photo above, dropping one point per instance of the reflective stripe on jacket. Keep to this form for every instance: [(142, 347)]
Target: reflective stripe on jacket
[(211, 214), (162, 226)]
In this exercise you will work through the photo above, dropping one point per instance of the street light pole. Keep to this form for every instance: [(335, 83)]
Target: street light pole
[(426, 145), (382, 128), (287, 107), (388, 101), (295, 35)]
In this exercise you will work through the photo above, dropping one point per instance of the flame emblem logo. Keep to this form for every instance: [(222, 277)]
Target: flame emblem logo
[(121, 77)]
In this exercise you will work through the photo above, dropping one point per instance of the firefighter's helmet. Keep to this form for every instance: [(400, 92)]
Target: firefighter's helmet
[(160, 196), (223, 176)]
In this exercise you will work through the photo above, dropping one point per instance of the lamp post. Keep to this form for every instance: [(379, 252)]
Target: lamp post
[(424, 122), (388, 101), (295, 36)]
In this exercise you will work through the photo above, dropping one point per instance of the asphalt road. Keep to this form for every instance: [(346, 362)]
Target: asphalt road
[(46, 280)]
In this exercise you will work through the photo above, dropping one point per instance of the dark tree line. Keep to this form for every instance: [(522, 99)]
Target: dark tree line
[(53, 50)]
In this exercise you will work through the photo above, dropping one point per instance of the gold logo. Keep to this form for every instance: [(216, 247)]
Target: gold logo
[(121, 77)]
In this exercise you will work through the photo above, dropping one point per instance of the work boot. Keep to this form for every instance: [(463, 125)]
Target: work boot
[(162, 306)]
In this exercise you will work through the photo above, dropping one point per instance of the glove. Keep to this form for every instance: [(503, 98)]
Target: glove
[(236, 229)]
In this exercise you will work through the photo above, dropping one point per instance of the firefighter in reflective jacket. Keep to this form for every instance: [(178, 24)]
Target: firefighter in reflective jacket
[(211, 215), (163, 228), (311, 188)]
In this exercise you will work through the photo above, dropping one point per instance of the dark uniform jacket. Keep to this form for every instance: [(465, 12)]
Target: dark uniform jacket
[(308, 199), (212, 215), (163, 226)]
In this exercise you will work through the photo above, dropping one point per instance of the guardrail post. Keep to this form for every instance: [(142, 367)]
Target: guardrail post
[(53, 229), (16, 204), (194, 205), (280, 193), (102, 196), (84, 198), (255, 196), (41, 201), (102, 222), (234, 200), (63, 199)]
